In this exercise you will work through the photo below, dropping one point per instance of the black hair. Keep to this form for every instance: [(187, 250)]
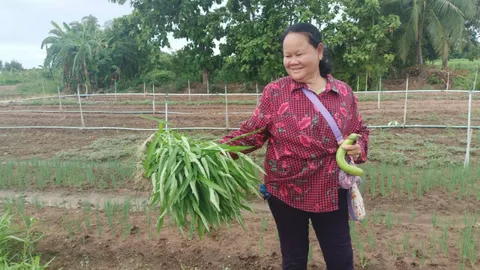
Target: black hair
[(314, 38)]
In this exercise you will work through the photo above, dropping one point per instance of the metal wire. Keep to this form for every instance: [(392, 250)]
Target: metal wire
[(222, 128)]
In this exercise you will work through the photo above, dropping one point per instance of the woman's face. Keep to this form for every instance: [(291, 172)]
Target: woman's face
[(300, 58)]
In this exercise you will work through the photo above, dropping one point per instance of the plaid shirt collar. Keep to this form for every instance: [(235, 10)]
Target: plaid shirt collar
[(331, 85)]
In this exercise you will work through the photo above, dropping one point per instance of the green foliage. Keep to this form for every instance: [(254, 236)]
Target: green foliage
[(17, 246), (198, 179), (441, 22), (433, 79), (12, 66), (360, 41), (380, 38)]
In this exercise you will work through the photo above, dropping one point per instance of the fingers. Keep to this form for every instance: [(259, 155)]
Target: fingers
[(352, 150)]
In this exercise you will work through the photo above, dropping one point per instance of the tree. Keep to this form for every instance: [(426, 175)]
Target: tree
[(359, 40), (254, 28), (75, 48), (198, 21), (1, 65), (13, 66), (440, 21), (127, 57)]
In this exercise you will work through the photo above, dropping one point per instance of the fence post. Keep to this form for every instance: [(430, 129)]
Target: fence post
[(406, 102), (366, 81), (189, 91), (115, 90), (208, 88), (448, 80), (43, 88), (144, 91), (80, 105), (153, 95), (227, 126), (166, 110), (469, 129), (379, 90), (59, 99)]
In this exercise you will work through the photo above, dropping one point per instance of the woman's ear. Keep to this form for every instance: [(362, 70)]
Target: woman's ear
[(320, 51)]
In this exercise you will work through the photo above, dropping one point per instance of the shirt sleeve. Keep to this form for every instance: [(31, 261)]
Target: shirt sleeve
[(258, 124), (358, 126)]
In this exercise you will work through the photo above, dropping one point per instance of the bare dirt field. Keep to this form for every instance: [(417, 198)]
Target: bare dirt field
[(406, 229)]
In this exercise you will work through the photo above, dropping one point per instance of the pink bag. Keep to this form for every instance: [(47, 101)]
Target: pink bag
[(346, 180), (356, 207)]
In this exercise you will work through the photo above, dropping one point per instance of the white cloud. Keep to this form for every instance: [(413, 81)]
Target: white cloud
[(29, 55), (25, 23)]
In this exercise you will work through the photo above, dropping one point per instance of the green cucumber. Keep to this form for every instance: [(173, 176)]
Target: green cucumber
[(341, 153)]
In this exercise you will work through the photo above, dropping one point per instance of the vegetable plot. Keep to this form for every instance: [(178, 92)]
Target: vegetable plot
[(197, 182)]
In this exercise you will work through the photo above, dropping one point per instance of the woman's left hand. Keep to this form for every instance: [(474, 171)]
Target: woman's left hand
[(352, 150)]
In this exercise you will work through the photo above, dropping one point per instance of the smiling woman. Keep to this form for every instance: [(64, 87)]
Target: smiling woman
[(304, 56), (302, 175)]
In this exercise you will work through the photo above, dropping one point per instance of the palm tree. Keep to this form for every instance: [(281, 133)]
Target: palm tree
[(441, 21), (74, 49), (60, 51)]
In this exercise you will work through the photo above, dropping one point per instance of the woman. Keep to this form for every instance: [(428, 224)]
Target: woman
[(301, 171)]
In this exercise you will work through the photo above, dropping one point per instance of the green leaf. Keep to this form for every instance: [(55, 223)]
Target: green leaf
[(214, 198)]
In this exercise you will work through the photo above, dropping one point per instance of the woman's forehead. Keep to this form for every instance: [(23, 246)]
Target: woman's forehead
[(296, 42)]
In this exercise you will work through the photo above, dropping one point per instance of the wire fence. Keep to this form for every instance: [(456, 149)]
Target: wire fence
[(162, 100)]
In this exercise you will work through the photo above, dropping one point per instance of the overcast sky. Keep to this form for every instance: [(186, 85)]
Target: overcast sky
[(25, 23)]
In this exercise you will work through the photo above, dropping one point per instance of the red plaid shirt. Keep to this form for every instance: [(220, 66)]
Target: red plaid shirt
[(300, 161)]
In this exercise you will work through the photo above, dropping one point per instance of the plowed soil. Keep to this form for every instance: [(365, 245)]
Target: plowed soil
[(77, 239)]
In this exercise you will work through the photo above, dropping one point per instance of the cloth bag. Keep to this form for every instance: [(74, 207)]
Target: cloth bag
[(347, 181)]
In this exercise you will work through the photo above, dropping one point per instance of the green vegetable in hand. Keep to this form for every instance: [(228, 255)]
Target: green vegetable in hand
[(197, 182), (341, 153)]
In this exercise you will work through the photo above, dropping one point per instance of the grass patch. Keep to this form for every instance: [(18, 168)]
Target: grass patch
[(418, 150), (25, 174), (459, 64), (105, 149), (29, 83)]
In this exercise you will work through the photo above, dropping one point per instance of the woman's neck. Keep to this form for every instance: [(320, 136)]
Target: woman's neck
[(317, 84)]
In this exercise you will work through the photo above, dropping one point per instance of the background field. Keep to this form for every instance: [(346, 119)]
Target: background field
[(421, 203)]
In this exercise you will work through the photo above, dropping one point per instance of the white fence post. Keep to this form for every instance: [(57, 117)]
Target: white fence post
[(379, 90), (59, 99), (366, 81), (166, 110), (189, 91), (227, 126), (115, 90), (153, 101), (80, 105), (448, 80), (469, 130), (406, 102), (208, 88), (144, 91)]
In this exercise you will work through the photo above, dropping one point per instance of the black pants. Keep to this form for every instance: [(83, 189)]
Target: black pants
[(331, 228)]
